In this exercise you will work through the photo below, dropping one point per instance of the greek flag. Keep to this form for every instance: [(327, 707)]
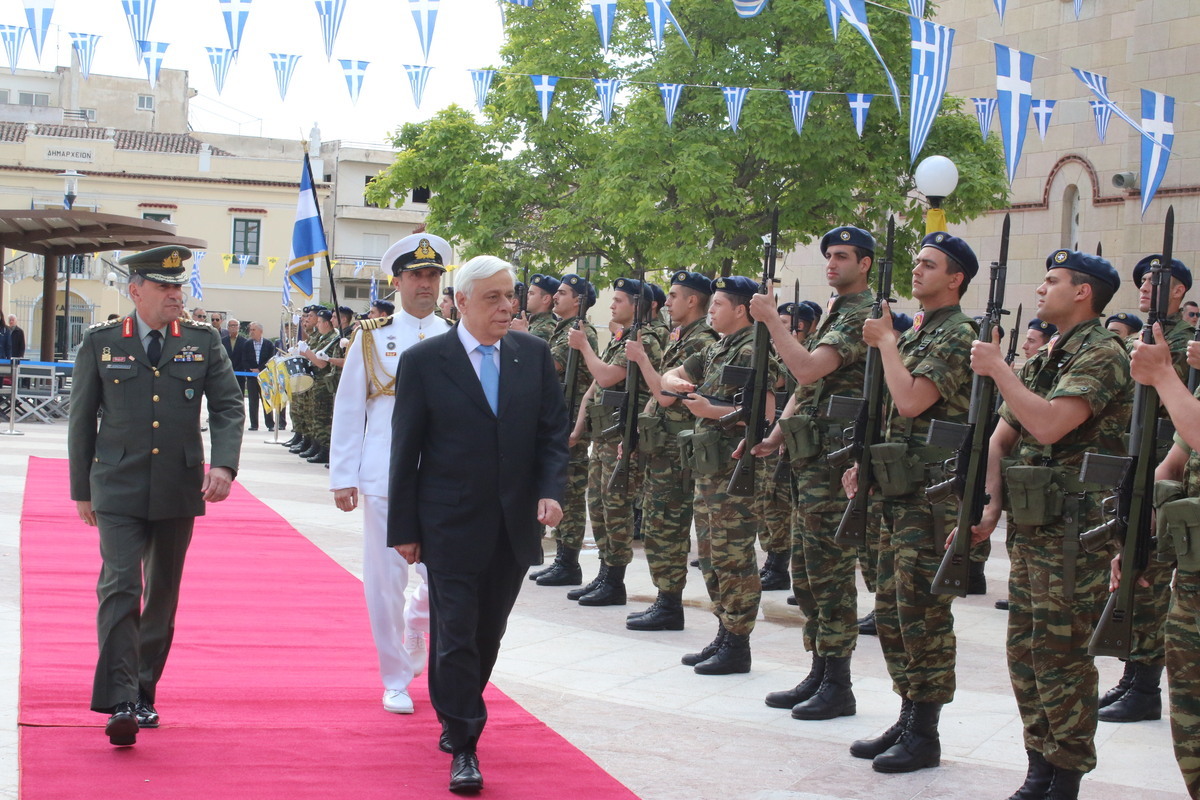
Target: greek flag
[(855, 13), (670, 94), (235, 13), (197, 289), (374, 288), (219, 58), (1041, 110), (481, 79), (544, 86), (38, 14), (330, 13), (14, 37), (152, 58), (859, 105), (358, 267), (525, 3), (355, 71), (85, 46), (660, 15), (425, 15), (1001, 7), (931, 48), (917, 8), (243, 260), (749, 8), (735, 96), (308, 238), (1158, 120), (287, 292), (605, 13), (985, 107), (417, 76), (1099, 87), (834, 13), (1014, 94), (798, 101), (1078, 8), (606, 90), (1103, 112), (284, 65), (139, 14)]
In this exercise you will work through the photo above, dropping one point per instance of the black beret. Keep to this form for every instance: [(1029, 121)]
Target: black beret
[(1179, 271), (160, 264), (547, 283), (805, 311), (580, 286), (1045, 328), (386, 306), (658, 294), (956, 249), (311, 308), (1086, 263), (738, 285), (346, 310), (632, 287), (848, 234), (816, 308), (448, 292), (1132, 320), (324, 313), (692, 280)]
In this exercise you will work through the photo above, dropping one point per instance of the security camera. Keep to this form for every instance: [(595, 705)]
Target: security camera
[(1125, 180)]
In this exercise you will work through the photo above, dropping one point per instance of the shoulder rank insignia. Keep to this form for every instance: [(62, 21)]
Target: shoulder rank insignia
[(376, 323), (127, 327)]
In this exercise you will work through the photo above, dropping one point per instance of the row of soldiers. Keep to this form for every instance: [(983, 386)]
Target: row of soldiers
[(1072, 396)]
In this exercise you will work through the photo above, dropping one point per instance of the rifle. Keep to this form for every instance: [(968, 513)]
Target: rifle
[(1131, 507), (783, 468), (1193, 373), (868, 415), (571, 368), (752, 401), (523, 295), (969, 465), (626, 402), (1011, 355)]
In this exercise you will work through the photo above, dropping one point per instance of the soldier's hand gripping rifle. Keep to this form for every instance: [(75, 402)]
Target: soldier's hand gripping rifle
[(753, 401), (969, 464), (571, 368), (868, 415), (626, 402), (1133, 504)]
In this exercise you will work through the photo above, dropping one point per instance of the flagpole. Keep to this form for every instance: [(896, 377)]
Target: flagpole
[(317, 204)]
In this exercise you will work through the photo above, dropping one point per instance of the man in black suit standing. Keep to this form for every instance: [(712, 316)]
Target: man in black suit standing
[(252, 355), (479, 465)]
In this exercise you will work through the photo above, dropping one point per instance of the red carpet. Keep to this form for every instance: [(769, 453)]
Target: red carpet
[(272, 689)]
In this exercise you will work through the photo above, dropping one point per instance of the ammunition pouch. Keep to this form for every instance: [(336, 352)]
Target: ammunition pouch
[(711, 451), (803, 436), (652, 434), (1179, 532), (600, 419), (1035, 495), (687, 457), (1166, 491), (898, 469)]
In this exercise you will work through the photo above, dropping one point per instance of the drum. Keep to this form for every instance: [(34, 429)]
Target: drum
[(301, 373)]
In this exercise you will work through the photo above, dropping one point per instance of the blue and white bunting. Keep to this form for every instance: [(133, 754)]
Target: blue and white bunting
[(917, 8), (84, 45), (735, 96), (374, 288), (235, 12), (308, 237), (1014, 94), (749, 8), (606, 91), (197, 287), (13, 37), (1001, 7), (932, 45), (660, 15), (860, 104), (219, 58), (285, 65), (417, 77), (38, 13), (670, 96), (605, 14), (330, 12), (358, 267), (833, 11), (152, 58), (1078, 8), (985, 107), (1103, 112), (855, 13), (1158, 120), (1099, 87), (524, 3), (481, 80), (355, 72), (287, 291), (425, 15), (1041, 111), (798, 101), (243, 260), (139, 14), (543, 86)]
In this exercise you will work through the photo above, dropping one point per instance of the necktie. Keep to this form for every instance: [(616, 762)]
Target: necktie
[(154, 351), (489, 376)]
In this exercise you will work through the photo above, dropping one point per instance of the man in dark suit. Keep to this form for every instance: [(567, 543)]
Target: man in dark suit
[(479, 464), (251, 355), (137, 472)]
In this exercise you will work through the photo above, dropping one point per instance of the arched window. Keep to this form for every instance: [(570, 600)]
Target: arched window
[(1070, 218)]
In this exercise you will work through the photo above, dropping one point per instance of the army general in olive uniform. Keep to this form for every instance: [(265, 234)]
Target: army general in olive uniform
[(137, 472)]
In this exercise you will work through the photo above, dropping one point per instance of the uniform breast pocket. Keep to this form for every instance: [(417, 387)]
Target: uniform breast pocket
[(187, 381), (119, 379)]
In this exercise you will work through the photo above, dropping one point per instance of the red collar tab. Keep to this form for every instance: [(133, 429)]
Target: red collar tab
[(175, 329), (127, 327)]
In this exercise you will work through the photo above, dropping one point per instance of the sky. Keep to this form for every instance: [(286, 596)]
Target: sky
[(467, 35)]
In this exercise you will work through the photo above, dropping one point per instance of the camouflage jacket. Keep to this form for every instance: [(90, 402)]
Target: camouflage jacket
[(561, 351), (614, 354), (685, 342), (705, 368), (840, 329), (543, 325)]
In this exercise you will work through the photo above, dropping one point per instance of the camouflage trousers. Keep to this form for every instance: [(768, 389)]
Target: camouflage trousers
[(775, 512), (667, 505), (1183, 676), (1150, 613), (868, 554), (1053, 677), (321, 419), (569, 532), (302, 412), (916, 627), (725, 535), (611, 513)]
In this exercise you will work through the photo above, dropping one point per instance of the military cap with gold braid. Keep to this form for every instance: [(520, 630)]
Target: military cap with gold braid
[(159, 264), (417, 251)]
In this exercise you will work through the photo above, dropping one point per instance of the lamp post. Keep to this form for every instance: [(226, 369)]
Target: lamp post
[(70, 192), (936, 178)]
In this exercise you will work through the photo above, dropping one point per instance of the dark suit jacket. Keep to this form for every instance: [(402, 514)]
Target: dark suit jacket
[(243, 354), (459, 473)]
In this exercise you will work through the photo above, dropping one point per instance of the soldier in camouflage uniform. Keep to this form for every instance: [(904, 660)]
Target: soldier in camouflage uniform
[(830, 362), (1178, 542), (326, 345), (539, 315), (302, 415), (1137, 695), (611, 512), (573, 297), (726, 541), (928, 378), (668, 488), (1073, 397)]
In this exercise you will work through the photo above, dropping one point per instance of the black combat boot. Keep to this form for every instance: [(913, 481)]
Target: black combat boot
[(575, 594), (537, 573), (565, 570), (1037, 780), (321, 456), (733, 656), (866, 625), (314, 447), (918, 746), (1143, 701), (300, 446), (665, 615), (802, 690), (776, 572), (709, 650), (976, 581), (869, 748), (834, 697), (292, 442), (609, 593), (1117, 692), (1064, 784)]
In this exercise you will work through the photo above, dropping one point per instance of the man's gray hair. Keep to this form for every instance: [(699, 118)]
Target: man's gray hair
[(480, 268)]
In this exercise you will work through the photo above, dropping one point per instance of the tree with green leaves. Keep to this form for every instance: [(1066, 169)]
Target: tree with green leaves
[(697, 194)]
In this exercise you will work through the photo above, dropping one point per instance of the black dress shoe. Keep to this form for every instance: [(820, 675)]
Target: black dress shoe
[(444, 742), (147, 717), (122, 726), (252, 428), (465, 777)]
